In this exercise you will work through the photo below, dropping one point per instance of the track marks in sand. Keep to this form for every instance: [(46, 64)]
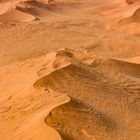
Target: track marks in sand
[(99, 99), (74, 121)]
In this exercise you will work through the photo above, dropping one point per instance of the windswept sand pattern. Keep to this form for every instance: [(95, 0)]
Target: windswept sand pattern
[(97, 100), (69, 70)]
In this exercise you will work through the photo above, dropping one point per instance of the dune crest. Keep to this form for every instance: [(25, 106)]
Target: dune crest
[(16, 15), (90, 81), (11, 11), (131, 1)]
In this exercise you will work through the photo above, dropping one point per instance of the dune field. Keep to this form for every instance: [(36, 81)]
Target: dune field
[(69, 70)]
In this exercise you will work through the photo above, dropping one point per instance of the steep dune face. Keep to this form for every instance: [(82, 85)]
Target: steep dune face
[(131, 24), (79, 113), (136, 16), (95, 93), (36, 8), (131, 1), (23, 108), (11, 11)]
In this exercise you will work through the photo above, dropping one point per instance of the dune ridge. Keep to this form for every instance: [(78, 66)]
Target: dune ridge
[(129, 24), (12, 10), (93, 83), (96, 100), (16, 15)]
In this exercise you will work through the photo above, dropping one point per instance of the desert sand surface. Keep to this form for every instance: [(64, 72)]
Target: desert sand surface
[(69, 70)]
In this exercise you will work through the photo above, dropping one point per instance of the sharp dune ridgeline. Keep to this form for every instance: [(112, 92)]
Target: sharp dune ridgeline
[(69, 70)]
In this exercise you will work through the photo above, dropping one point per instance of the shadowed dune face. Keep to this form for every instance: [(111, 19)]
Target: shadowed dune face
[(131, 1), (61, 117), (131, 24), (136, 16), (10, 10), (98, 99)]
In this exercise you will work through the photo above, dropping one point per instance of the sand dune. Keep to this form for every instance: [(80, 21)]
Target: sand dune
[(135, 18), (16, 15), (10, 10), (131, 23), (91, 88), (69, 70), (35, 8), (131, 1)]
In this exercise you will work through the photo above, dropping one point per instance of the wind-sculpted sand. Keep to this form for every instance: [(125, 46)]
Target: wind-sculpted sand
[(69, 70), (98, 101)]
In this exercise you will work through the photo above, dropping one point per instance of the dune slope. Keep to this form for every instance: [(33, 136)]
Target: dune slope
[(98, 101)]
